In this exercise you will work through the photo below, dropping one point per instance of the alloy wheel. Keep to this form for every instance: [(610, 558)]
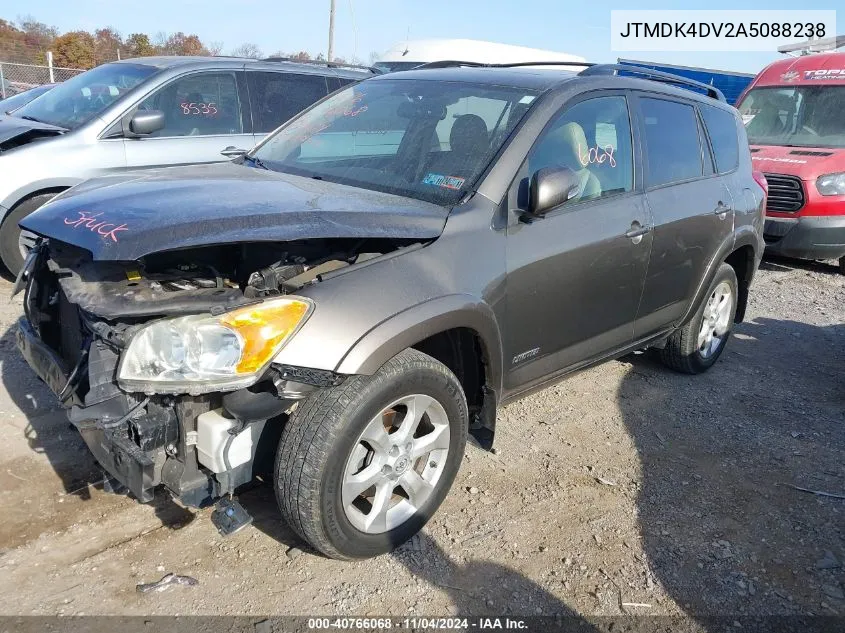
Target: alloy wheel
[(716, 320), (396, 463)]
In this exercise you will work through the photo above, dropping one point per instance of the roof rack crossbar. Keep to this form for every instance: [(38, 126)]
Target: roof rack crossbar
[(656, 75), (372, 69), (451, 63)]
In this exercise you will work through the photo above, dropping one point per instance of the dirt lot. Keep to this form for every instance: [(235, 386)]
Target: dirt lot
[(624, 484)]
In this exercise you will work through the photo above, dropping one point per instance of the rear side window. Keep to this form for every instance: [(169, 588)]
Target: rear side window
[(276, 97), (672, 145), (336, 83), (721, 128)]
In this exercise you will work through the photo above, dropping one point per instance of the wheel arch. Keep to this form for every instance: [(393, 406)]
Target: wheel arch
[(460, 331), (742, 260), (740, 251), (20, 198)]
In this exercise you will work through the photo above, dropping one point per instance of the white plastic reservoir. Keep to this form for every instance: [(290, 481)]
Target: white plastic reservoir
[(212, 435)]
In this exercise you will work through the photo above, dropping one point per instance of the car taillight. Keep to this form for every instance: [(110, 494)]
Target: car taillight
[(761, 180)]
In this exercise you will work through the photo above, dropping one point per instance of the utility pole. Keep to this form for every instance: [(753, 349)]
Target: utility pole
[(331, 32)]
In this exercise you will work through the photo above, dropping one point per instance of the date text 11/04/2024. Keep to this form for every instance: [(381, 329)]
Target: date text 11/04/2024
[(417, 623)]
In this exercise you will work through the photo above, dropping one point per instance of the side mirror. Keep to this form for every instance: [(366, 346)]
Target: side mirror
[(230, 151), (146, 122), (551, 187)]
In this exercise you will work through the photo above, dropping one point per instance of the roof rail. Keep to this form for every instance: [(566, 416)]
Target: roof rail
[(454, 63), (371, 69), (655, 75)]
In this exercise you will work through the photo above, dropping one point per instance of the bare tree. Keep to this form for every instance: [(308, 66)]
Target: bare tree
[(248, 50), (215, 48)]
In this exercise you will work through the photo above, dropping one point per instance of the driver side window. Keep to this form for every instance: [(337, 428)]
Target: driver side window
[(201, 104), (593, 139)]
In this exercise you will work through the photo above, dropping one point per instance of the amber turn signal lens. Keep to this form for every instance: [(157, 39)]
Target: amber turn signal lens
[(264, 328)]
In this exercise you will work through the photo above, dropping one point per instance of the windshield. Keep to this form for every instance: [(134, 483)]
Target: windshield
[(22, 98), (805, 116), (77, 100), (429, 140)]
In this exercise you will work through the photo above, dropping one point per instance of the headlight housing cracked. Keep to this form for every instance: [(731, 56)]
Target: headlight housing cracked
[(203, 353), (831, 184)]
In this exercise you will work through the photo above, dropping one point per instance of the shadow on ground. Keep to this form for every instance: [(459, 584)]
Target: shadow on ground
[(260, 502), (784, 264), (49, 433), (723, 531), (482, 587)]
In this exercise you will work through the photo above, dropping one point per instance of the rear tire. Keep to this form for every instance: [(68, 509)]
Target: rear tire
[(842, 265), (696, 347), (342, 438), (10, 232)]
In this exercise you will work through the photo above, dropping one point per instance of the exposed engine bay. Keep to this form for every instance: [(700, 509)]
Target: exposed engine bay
[(213, 277), (81, 316)]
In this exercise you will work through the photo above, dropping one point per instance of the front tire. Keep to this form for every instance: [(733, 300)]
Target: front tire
[(10, 233), (362, 467), (696, 347)]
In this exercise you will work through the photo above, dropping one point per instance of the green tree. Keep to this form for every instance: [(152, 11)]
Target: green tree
[(74, 50), (139, 45)]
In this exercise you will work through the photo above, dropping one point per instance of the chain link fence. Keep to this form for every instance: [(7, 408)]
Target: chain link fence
[(15, 78)]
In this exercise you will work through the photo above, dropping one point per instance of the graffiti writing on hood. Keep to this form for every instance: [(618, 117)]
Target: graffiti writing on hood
[(92, 222)]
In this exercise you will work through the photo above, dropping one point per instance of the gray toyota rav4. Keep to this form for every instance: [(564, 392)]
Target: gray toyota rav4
[(346, 305)]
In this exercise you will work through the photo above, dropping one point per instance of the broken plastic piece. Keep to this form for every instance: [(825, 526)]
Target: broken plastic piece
[(165, 583), (229, 517)]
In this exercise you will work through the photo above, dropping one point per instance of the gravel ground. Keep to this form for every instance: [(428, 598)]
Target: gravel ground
[(625, 489)]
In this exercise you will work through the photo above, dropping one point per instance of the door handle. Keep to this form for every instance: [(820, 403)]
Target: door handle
[(637, 231), (721, 209), (233, 152)]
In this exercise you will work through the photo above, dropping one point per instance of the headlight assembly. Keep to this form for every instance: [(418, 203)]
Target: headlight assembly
[(201, 353), (831, 184)]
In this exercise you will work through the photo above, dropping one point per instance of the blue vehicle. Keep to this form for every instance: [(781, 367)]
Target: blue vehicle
[(732, 84)]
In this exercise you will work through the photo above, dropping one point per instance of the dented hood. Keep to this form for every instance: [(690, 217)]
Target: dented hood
[(15, 131), (128, 216)]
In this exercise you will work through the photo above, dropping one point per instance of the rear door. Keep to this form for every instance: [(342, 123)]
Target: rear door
[(691, 207), (575, 277), (205, 112), (276, 97)]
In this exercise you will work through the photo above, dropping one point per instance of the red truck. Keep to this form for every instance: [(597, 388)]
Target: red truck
[(794, 113)]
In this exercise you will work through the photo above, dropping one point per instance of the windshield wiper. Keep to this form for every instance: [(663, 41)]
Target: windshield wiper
[(256, 161), (32, 118)]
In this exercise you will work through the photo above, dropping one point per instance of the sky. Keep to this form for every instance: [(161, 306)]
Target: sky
[(365, 26)]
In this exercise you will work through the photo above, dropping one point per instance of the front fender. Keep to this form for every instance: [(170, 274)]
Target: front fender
[(414, 324)]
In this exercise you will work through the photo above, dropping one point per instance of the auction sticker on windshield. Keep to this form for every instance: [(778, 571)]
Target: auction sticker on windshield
[(448, 182)]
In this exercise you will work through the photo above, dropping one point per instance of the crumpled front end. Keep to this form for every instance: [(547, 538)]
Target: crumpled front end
[(198, 441)]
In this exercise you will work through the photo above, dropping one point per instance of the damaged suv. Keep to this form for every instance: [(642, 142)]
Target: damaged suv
[(347, 304)]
